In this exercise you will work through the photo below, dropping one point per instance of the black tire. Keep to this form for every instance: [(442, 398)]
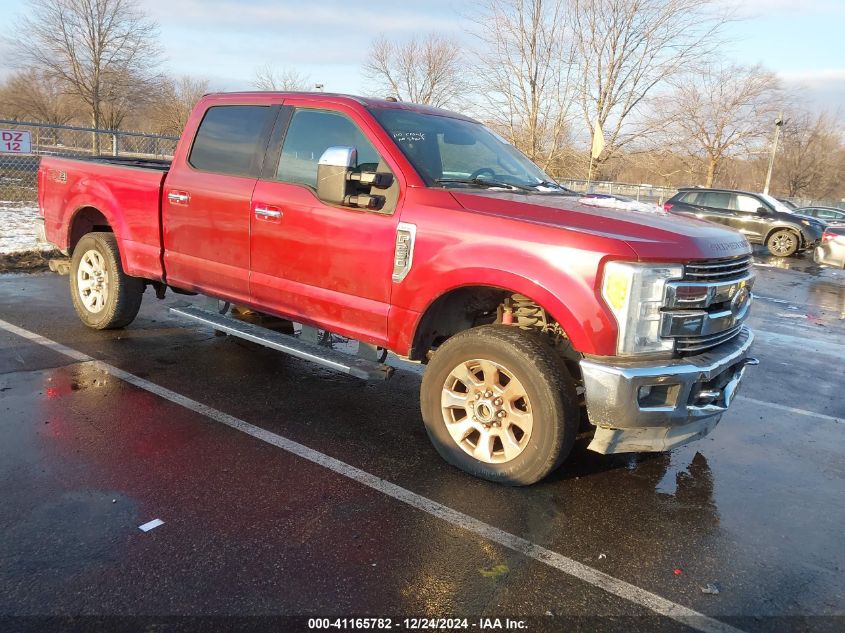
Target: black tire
[(783, 243), (123, 294), (547, 384)]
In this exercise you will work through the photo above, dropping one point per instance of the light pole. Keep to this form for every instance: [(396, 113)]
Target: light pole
[(778, 125)]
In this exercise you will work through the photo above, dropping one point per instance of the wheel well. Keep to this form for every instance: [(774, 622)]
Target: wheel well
[(470, 306), (453, 312), (85, 221), (792, 230)]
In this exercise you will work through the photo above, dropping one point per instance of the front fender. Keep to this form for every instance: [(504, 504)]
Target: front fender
[(560, 279), (808, 234)]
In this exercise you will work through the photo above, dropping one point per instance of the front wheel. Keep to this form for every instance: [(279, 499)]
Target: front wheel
[(782, 243), (103, 295), (497, 404)]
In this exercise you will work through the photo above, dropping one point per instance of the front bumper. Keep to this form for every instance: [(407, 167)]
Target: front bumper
[(811, 237), (658, 405)]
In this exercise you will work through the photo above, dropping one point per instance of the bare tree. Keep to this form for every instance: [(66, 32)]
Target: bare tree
[(720, 111), (99, 50), (810, 158), (175, 101), (31, 96), (426, 70), (526, 63), (626, 48), (268, 77)]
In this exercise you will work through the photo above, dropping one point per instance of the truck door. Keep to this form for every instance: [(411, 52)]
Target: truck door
[(313, 261), (206, 201)]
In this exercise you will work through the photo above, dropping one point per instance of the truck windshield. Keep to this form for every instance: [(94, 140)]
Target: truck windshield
[(449, 152)]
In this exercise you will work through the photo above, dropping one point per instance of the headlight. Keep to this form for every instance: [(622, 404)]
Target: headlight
[(634, 293)]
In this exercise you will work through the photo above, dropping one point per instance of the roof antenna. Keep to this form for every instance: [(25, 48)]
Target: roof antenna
[(391, 99)]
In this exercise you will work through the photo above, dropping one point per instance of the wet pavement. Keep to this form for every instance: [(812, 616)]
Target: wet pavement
[(757, 509)]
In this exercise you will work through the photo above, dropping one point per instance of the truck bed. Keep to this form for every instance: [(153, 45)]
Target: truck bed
[(78, 195)]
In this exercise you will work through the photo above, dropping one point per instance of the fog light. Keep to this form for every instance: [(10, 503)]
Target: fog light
[(653, 396)]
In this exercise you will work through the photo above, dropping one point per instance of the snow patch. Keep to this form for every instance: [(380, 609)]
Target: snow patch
[(17, 228), (624, 205)]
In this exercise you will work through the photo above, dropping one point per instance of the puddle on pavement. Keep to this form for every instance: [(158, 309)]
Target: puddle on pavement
[(80, 377)]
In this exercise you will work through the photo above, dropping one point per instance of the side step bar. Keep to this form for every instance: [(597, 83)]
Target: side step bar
[(338, 361)]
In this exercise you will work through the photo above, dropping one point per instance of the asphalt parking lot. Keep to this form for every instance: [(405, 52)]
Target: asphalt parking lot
[(288, 490)]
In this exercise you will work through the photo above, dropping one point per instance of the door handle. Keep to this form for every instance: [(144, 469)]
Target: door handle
[(179, 197), (267, 213)]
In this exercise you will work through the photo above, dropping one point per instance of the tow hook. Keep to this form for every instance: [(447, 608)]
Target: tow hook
[(709, 396)]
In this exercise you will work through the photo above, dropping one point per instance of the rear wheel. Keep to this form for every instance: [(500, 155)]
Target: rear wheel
[(782, 243), (103, 295), (497, 404)]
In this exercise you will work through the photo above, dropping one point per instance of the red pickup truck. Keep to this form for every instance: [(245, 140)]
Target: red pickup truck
[(539, 314)]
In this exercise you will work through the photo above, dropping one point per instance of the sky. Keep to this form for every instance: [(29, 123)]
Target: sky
[(224, 41)]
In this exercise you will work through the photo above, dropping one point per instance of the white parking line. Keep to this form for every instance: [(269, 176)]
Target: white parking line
[(783, 407), (594, 577)]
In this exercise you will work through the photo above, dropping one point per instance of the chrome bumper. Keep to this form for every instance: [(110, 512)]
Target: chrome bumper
[(658, 405)]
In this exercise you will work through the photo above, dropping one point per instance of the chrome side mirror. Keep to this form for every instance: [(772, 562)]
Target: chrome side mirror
[(333, 173), (337, 183)]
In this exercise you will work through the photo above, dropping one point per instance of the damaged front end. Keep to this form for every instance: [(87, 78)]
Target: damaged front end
[(657, 405)]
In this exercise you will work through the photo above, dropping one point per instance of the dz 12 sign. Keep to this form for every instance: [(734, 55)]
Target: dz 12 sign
[(15, 142)]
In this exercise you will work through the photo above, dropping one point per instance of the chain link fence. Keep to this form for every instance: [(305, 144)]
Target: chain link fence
[(641, 193), (19, 169)]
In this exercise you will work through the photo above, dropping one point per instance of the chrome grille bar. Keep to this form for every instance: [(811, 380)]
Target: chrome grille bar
[(717, 270), (700, 343)]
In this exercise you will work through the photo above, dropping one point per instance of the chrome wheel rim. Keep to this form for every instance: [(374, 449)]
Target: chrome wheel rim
[(487, 411), (782, 243), (92, 281)]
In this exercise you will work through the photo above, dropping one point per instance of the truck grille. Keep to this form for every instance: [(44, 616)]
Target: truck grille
[(709, 306), (694, 344), (718, 269)]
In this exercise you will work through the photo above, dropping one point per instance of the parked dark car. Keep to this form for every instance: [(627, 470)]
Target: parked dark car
[(831, 251), (828, 215), (761, 218)]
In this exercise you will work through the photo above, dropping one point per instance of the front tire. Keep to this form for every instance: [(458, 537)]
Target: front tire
[(497, 404), (783, 243), (104, 297)]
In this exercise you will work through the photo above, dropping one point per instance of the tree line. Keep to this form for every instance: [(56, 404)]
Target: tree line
[(545, 74)]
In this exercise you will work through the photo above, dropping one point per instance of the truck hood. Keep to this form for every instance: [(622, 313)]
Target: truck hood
[(651, 234)]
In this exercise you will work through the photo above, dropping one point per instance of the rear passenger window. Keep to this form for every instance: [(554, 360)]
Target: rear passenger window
[(230, 139), (312, 132), (714, 199)]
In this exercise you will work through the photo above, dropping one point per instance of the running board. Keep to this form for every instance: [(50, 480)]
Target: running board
[(324, 356)]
